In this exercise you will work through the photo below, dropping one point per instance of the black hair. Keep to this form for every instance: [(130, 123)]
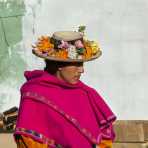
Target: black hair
[(53, 66)]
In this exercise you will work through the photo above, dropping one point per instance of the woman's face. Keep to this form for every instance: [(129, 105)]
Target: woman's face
[(71, 72)]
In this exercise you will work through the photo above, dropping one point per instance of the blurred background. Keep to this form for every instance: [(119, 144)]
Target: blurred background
[(120, 27)]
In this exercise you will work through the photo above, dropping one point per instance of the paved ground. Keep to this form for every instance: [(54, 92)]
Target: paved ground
[(6, 141)]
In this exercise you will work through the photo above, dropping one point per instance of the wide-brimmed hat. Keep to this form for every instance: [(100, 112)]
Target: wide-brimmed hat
[(66, 46)]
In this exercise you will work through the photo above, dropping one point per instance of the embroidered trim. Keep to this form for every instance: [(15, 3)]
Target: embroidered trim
[(84, 131), (36, 135), (111, 118)]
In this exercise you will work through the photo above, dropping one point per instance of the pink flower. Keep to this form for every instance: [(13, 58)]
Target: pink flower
[(63, 44), (79, 44)]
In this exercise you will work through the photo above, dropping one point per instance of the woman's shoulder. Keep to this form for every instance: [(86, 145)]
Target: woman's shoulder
[(89, 87)]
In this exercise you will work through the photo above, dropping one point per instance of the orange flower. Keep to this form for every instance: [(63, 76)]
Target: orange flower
[(62, 54), (88, 52), (44, 44)]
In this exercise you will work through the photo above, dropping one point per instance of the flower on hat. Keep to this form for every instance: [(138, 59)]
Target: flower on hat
[(61, 54), (44, 44), (79, 44), (60, 48), (72, 52), (63, 44)]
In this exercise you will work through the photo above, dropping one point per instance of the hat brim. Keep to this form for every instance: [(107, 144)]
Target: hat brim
[(39, 54)]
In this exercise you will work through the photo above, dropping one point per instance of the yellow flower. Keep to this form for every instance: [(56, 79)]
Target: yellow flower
[(88, 50), (94, 46), (44, 44), (91, 47), (62, 53)]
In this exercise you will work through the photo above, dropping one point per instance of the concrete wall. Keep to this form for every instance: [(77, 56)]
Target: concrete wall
[(120, 75)]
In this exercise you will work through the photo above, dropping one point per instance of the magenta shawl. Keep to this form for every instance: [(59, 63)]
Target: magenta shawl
[(74, 116)]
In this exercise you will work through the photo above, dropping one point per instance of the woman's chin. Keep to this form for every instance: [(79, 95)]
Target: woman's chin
[(74, 82)]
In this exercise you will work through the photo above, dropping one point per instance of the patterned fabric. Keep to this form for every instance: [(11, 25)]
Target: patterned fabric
[(105, 144), (27, 142), (35, 135)]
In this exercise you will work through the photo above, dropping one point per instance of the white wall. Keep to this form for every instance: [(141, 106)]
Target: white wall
[(120, 26)]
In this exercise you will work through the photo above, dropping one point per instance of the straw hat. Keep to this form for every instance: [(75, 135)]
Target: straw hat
[(66, 46)]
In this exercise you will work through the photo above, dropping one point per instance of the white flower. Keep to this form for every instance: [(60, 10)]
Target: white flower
[(72, 52)]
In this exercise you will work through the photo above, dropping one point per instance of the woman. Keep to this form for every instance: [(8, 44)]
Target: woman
[(56, 108)]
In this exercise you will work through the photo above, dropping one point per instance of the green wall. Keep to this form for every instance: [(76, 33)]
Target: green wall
[(11, 62)]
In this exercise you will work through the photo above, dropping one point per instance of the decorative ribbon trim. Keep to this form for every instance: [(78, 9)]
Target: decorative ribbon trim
[(43, 99), (37, 136)]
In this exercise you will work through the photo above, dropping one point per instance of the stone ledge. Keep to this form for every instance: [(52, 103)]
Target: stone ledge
[(130, 145), (131, 131)]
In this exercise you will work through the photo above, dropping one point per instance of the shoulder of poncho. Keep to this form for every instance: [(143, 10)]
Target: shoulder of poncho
[(26, 86), (90, 88)]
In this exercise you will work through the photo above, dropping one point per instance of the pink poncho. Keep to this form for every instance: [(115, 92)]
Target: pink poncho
[(73, 116)]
